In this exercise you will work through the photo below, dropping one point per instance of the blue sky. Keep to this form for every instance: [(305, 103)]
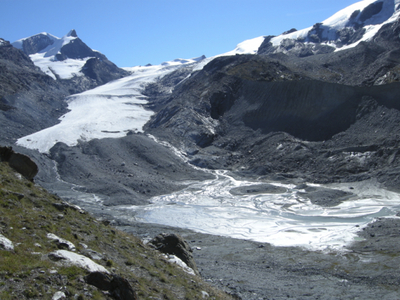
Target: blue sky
[(131, 32)]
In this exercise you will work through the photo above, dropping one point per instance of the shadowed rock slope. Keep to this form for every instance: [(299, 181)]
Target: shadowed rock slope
[(29, 99), (255, 115)]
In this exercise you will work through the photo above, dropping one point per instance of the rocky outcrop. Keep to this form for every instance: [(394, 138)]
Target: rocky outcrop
[(19, 162), (61, 243), (77, 49), (232, 95), (102, 70)]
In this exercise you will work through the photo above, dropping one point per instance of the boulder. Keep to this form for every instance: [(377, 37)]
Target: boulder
[(118, 287), (100, 280), (19, 162), (170, 243)]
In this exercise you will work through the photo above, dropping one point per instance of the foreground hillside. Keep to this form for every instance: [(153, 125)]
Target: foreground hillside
[(36, 227)]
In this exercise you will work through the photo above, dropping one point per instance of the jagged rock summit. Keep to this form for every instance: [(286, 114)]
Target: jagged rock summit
[(72, 33)]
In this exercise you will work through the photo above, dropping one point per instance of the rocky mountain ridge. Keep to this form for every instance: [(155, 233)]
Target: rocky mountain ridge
[(345, 29)]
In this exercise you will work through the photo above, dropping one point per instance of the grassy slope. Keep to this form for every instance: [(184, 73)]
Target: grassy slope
[(27, 214)]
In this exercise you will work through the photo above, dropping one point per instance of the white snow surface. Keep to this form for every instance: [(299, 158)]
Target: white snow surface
[(65, 69), (109, 111), (179, 62), (246, 47), (79, 261), (46, 61)]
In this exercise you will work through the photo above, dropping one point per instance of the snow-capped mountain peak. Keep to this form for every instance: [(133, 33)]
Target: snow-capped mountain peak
[(345, 29), (57, 57)]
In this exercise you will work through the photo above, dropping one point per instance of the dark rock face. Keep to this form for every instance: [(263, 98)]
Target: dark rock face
[(19, 162), (36, 43), (175, 245), (77, 49), (268, 97), (370, 11), (102, 71)]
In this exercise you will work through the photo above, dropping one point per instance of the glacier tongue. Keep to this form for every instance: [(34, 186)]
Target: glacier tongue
[(109, 111)]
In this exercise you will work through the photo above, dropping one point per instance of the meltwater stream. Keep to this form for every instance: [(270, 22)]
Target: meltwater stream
[(282, 217), (281, 214)]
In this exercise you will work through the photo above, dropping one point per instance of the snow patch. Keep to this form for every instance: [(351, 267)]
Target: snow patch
[(65, 69), (246, 47)]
